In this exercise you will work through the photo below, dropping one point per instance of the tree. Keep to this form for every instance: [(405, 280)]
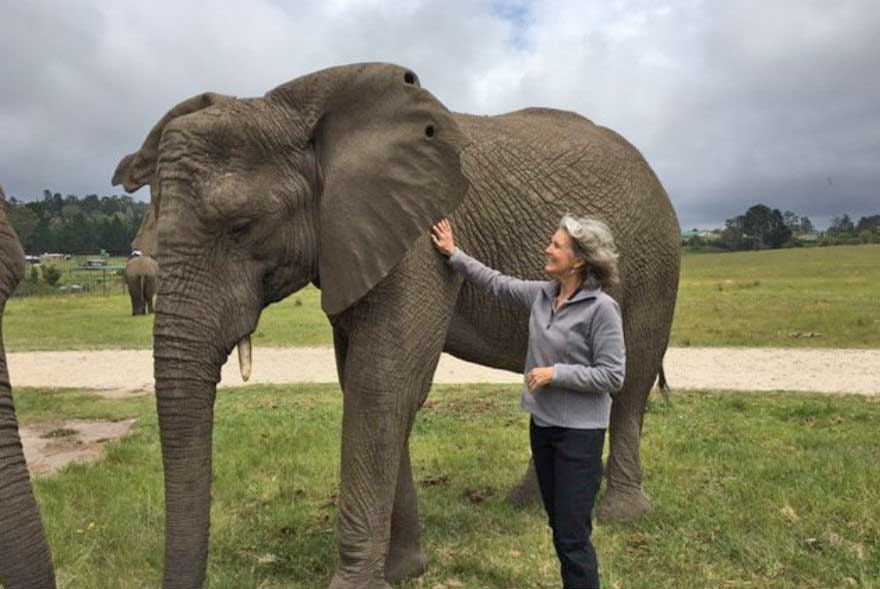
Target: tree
[(25, 222), (868, 223), (732, 237), (792, 221), (841, 225), (807, 225), (71, 225), (765, 227)]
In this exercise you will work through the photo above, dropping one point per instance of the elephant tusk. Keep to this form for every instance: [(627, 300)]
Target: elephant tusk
[(244, 357)]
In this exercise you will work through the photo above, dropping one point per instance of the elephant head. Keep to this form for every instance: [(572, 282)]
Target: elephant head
[(327, 179), (24, 555)]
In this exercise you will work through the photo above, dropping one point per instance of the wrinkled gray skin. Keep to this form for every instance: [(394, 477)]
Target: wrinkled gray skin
[(335, 178), (142, 280), (25, 562)]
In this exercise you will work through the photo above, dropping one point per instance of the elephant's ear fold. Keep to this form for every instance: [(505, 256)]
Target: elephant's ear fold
[(388, 153), (139, 168)]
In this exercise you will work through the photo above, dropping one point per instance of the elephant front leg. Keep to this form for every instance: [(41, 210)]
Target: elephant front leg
[(370, 461), (405, 556), (393, 339)]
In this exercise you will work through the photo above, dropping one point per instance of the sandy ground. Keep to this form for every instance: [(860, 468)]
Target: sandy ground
[(121, 373), (50, 446)]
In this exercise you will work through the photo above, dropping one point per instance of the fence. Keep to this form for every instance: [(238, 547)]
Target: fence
[(102, 277)]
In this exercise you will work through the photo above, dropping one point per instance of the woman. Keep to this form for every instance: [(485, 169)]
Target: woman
[(576, 360)]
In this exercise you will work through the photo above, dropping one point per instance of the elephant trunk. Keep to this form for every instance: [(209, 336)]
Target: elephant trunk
[(187, 370), (25, 562)]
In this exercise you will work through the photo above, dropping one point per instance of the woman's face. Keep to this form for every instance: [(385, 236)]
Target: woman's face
[(560, 255)]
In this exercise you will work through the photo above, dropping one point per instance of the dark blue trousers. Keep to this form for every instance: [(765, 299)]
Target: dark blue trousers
[(569, 467)]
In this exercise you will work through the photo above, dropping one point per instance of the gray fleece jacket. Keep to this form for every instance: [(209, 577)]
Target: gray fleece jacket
[(583, 342)]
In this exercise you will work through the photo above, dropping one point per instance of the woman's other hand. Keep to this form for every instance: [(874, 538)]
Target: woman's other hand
[(539, 377), (441, 235)]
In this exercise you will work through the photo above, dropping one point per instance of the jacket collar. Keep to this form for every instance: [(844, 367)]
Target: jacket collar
[(551, 289)]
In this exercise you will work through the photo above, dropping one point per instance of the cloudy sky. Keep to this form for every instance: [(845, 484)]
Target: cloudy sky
[(733, 102)]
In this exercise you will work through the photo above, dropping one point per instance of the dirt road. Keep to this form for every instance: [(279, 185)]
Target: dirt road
[(118, 374), (122, 372)]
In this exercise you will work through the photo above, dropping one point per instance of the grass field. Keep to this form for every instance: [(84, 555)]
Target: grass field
[(816, 297), (775, 491), (87, 322)]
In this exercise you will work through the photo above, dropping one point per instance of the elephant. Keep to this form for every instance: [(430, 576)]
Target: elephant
[(335, 179), (25, 562), (141, 278)]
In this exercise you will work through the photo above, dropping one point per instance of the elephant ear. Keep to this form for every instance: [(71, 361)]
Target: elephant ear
[(388, 157), (147, 238), (139, 168)]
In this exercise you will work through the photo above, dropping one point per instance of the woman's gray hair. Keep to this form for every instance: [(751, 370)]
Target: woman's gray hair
[(593, 243)]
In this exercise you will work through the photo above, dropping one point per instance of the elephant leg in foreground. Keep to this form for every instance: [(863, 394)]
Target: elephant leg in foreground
[(395, 336), (25, 562), (405, 558)]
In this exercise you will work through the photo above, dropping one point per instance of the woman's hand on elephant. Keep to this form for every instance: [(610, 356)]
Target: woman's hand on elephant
[(441, 235), (539, 377)]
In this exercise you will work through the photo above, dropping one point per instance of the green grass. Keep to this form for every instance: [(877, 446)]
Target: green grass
[(758, 491), (94, 322), (811, 297), (780, 297)]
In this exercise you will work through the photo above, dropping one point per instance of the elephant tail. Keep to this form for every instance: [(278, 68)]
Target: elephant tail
[(663, 384), (141, 290)]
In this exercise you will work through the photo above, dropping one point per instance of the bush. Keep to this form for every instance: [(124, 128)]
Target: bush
[(52, 275), (865, 236), (34, 289), (34, 275)]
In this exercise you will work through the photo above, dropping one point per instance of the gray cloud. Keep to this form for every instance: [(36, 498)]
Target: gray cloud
[(733, 103)]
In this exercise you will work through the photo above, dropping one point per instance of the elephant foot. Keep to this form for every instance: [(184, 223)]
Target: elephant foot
[(405, 565), (623, 506), (340, 582)]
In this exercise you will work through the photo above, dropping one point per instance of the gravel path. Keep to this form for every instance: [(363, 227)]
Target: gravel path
[(123, 372)]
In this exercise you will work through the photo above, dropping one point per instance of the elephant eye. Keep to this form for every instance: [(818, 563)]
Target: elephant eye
[(409, 78), (429, 131), (239, 228)]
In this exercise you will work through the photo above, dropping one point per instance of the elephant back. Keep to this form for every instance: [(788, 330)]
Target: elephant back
[(529, 167)]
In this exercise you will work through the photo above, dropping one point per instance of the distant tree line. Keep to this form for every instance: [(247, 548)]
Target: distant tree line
[(73, 225), (761, 227), (842, 229)]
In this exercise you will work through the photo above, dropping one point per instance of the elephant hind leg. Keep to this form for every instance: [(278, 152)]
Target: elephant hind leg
[(625, 500)]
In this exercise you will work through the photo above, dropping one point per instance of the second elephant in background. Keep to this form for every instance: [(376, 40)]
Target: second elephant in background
[(142, 280)]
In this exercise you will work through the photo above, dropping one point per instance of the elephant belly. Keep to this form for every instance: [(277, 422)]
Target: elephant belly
[(488, 333)]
